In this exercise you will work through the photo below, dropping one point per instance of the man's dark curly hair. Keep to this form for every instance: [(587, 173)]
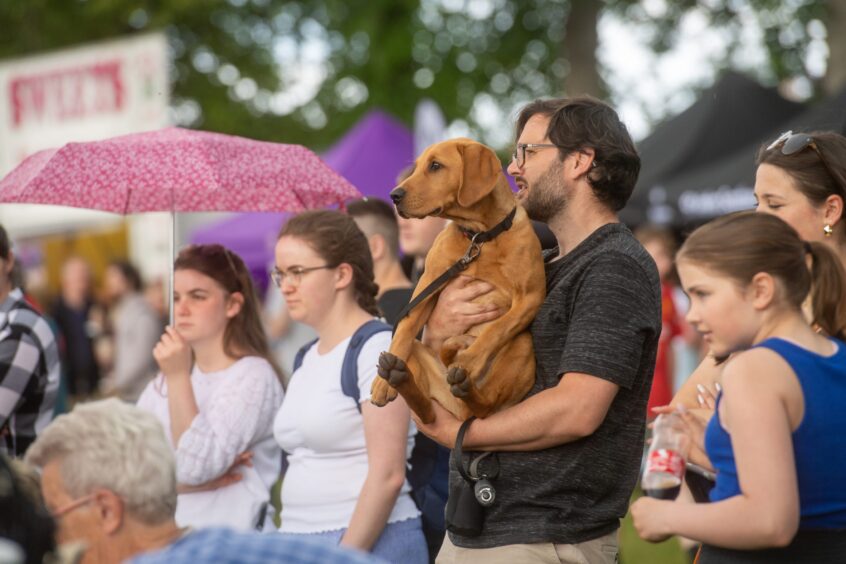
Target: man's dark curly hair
[(582, 123)]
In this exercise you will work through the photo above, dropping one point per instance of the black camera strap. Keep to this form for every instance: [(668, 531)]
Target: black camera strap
[(472, 474), (458, 453)]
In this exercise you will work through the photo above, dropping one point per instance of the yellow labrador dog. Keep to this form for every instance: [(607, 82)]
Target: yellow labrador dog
[(492, 365)]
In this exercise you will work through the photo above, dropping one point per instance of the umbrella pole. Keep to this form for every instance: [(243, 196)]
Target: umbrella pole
[(171, 259)]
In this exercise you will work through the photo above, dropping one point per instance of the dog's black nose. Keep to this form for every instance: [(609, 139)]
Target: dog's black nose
[(397, 194)]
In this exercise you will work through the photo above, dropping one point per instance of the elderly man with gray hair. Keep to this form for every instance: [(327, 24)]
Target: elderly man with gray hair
[(108, 477)]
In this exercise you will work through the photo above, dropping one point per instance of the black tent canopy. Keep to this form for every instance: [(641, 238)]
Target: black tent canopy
[(725, 185), (731, 115)]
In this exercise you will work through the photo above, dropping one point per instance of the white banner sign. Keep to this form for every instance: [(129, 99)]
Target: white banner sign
[(82, 94)]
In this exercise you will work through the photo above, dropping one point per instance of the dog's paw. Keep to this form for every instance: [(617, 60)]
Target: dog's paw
[(381, 393), (459, 383), (393, 369)]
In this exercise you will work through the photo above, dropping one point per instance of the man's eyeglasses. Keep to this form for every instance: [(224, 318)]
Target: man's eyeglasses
[(792, 143), (293, 275), (518, 157), (70, 506), (519, 154)]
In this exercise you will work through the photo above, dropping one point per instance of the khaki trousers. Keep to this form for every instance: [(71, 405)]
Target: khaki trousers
[(597, 551)]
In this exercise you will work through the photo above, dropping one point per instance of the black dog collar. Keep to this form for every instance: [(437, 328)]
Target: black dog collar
[(473, 251), (483, 236)]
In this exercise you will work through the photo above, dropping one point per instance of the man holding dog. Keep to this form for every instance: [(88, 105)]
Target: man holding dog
[(568, 454)]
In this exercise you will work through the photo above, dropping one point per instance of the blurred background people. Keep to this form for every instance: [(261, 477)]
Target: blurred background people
[(136, 329), (217, 393), (661, 246), (72, 312), (154, 293), (378, 222), (30, 369), (416, 237), (345, 482)]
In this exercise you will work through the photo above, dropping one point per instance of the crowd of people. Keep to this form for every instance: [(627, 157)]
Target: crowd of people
[(181, 464)]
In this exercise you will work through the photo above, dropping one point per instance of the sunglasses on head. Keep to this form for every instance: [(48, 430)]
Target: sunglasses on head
[(792, 143)]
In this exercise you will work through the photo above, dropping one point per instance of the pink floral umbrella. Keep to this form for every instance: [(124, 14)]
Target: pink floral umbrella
[(177, 170)]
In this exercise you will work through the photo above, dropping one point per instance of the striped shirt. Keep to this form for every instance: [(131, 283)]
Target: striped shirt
[(29, 374)]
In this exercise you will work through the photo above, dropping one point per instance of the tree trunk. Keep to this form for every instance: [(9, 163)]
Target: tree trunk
[(835, 74), (579, 49)]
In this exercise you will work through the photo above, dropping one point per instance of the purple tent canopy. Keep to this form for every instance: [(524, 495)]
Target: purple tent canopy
[(252, 235), (370, 156), (373, 153)]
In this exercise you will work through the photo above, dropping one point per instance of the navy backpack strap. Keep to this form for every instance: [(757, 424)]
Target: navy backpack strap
[(349, 369), (298, 359)]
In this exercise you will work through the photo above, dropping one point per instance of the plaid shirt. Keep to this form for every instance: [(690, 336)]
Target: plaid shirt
[(29, 374), (226, 546)]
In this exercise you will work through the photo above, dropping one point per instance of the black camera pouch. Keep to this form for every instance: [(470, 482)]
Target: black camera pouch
[(464, 515)]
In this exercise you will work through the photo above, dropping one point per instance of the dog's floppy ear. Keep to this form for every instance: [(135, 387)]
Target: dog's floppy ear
[(481, 173)]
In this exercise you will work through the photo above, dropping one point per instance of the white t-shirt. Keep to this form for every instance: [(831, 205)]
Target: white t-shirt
[(323, 433), (236, 410)]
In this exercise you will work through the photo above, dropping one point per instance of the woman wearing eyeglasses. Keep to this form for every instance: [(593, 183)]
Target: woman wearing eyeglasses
[(345, 482), (217, 393)]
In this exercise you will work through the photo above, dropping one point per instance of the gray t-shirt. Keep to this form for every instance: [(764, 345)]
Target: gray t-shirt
[(601, 316)]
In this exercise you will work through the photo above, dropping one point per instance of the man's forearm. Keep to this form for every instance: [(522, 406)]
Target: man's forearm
[(552, 417)]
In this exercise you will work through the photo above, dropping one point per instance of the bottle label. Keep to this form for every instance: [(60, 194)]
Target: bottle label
[(666, 461)]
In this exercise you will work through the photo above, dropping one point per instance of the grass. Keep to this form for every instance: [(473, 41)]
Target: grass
[(634, 550)]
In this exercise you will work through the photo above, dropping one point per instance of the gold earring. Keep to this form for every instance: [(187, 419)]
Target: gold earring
[(827, 230)]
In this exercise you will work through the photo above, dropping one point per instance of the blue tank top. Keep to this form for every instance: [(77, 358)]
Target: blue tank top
[(819, 443)]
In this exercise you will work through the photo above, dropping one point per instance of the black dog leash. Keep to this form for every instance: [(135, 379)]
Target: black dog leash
[(473, 252)]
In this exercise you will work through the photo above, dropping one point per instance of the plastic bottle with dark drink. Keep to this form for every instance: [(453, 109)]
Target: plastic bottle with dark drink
[(665, 462)]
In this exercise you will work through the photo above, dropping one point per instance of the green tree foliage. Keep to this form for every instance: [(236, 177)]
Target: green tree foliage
[(790, 32), (337, 57), (306, 71)]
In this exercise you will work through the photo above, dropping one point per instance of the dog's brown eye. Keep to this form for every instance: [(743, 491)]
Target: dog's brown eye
[(434, 165)]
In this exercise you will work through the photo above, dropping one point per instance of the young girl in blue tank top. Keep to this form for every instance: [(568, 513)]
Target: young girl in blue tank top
[(776, 439)]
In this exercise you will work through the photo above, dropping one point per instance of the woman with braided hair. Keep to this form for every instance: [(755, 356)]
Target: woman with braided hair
[(345, 481)]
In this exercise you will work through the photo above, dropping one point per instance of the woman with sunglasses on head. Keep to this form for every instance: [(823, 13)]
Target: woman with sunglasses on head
[(801, 178), (345, 482), (217, 393), (776, 438)]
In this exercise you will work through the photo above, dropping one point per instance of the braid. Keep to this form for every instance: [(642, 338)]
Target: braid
[(366, 290)]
